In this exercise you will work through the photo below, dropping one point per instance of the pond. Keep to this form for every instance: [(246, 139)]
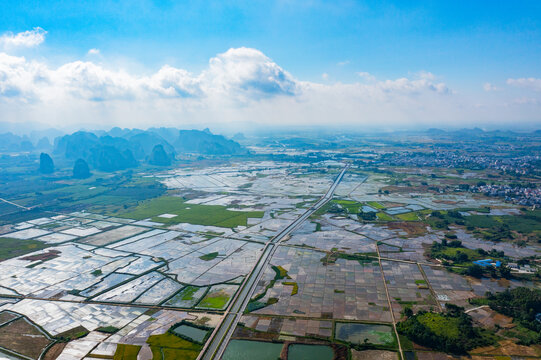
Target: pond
[(249, 350), (365, 333), (309, 352), (196, 334)]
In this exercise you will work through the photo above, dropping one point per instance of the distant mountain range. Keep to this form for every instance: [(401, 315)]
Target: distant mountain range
[(119, 149)]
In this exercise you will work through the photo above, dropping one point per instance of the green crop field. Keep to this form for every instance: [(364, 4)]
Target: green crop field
[(172, 347), (411, 216), (187, 293), (351, 206), (384, 217), (126, 352), (217, 300), (375, 205), (208, 215), (10, 248)]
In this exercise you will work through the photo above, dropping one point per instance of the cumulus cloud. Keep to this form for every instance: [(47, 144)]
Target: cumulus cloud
[(238, 74), (29, 38), (240, 84), (19, 78), (528, 83), (247, 73), (93, 52), (172, 82)]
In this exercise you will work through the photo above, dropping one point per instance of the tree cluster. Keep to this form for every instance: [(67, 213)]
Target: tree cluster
[(453, 321)]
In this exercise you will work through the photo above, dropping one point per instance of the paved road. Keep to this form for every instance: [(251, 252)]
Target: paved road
[(220, 337)]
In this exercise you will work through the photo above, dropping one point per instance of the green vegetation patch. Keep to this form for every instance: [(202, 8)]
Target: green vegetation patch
[(126, 352), (454, 251), (383, 216), (351, 206), (207, 215), (255, 303), (281, 273), (10, 248), (522, 304), (172, 347), (411, 216), (491, 228), (295, 289), (375, 205), (108, 329), (215, 299), (72, 334), (188, 292), (209, 256), (451, 332)]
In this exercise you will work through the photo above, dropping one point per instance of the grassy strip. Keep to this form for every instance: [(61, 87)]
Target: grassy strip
[(295, 289), (10, 248)]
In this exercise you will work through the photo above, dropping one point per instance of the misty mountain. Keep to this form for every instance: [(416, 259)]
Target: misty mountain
[(159, 156), (146, 141), (110, 158), (204, 142), (120, 149), (10, 142)]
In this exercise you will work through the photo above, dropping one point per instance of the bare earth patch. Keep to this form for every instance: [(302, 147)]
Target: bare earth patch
[(373, 354)]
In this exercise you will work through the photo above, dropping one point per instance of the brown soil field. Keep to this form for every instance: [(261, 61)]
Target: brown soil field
[(54, 351), (507, 347), (24, 338), (413, 229), (373, 354)]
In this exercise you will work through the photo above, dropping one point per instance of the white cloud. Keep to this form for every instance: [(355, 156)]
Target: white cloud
[(238, 85), (366, 76), (490, 87), (93, 52), (528, 83), (29, 38), (325, 76), (343, 63), (172, 82), (417, 86), (247, 74)]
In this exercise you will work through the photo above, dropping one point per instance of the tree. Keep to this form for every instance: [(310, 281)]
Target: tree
[(475, 271), (81, 170), (159, 156), (408, 312), (368, 215), (46, 165)]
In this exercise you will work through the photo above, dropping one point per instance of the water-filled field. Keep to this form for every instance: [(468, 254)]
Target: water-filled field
[(361, 333), (249, 350), (192, 332), (309, 352)]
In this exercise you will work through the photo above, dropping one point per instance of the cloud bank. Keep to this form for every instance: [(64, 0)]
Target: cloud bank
[(29, 38), (239, 85)]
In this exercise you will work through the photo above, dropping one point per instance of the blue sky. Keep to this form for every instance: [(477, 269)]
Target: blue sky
[(464, 45)]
